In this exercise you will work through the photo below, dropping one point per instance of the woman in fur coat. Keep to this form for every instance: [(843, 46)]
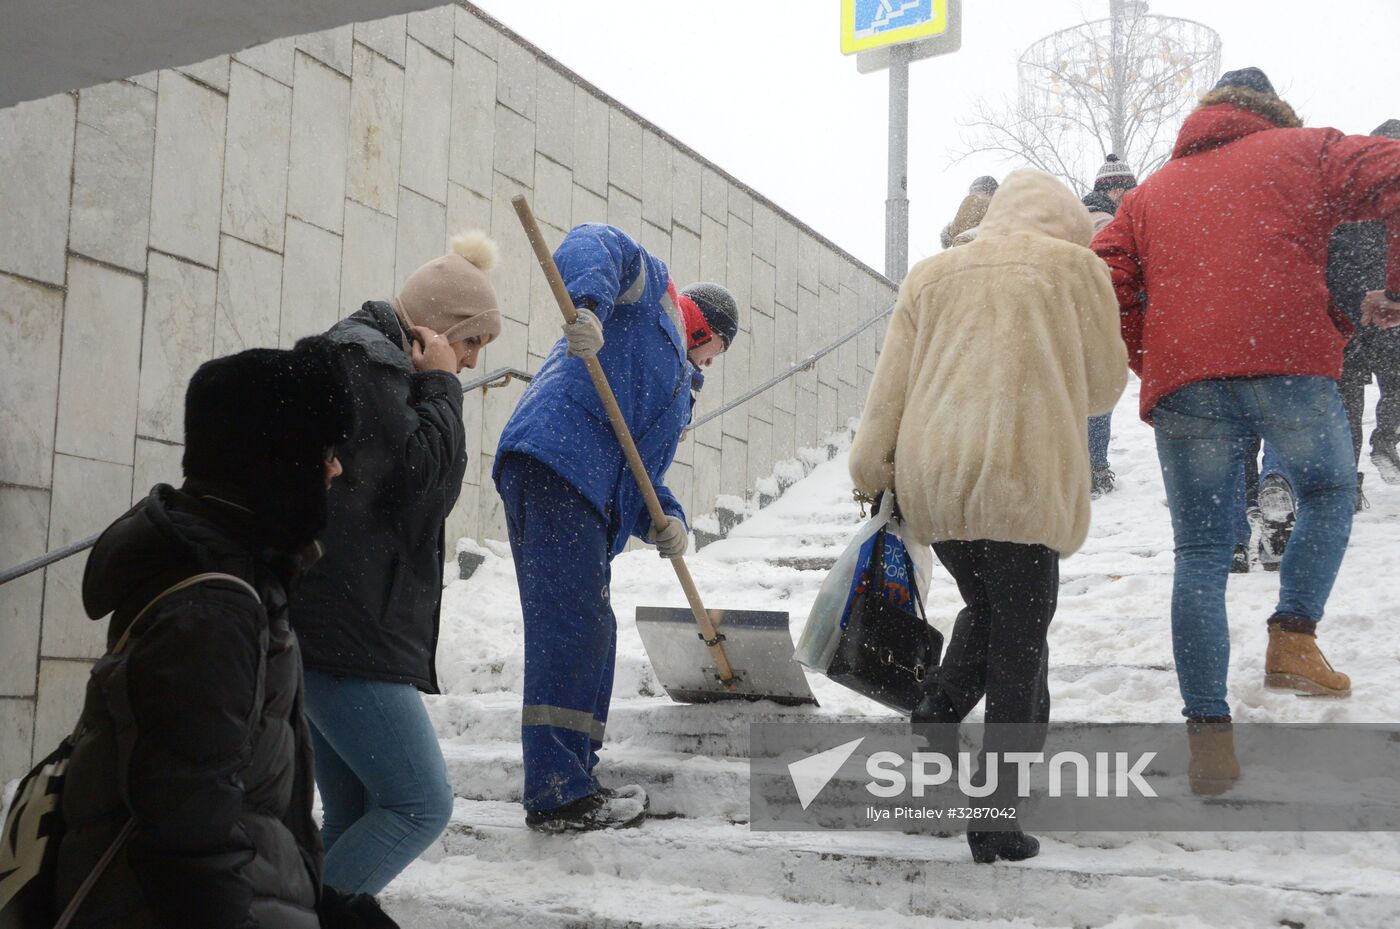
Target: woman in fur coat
[(997, 353)]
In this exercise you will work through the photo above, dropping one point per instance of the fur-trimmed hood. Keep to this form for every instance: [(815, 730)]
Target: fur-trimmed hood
[(1231, 113)]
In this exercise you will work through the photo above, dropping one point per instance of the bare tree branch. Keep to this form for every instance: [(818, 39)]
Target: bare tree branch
[(1100, 87)]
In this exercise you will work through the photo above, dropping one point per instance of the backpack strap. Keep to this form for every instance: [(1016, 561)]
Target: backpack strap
[(174, 588), (71, 910)]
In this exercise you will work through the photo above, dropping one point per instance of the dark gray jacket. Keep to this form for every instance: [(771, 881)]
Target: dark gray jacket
[(196, 730), (369, 608)]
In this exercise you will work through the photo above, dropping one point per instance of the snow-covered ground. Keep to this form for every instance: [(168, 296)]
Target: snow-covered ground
[(697, 864), (1111, 661)]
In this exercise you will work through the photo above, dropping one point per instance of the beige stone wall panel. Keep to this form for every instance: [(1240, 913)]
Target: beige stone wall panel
[(24, 512), (386, 36), (31, 329), (320, 140), (422, 234), (249, 301), (367, 258), (311, 279), (376, 131), (472, 136), (427, 122), (36, 149), (188, 175), (87, 496), (177, 338), (112, 163), (515, 78), (100, 369)]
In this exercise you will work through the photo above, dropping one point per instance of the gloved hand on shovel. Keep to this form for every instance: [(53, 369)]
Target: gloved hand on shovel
[(584, 334), (670, 538)]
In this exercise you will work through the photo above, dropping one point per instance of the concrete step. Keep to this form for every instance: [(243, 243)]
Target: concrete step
[(722, 729), (468, 892), (1079, 879), (678, 784)]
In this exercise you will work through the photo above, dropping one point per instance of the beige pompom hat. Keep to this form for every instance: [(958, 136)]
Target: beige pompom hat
[(452, 295)]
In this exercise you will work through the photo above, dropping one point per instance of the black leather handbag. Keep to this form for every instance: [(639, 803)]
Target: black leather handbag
[(886, 652)]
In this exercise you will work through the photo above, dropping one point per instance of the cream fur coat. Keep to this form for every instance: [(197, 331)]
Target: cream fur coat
[(997, 354)]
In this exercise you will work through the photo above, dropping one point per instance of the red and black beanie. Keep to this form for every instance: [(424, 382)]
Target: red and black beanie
[(707, 310)]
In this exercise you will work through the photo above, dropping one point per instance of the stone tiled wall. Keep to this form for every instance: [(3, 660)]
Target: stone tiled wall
[(157, 222)]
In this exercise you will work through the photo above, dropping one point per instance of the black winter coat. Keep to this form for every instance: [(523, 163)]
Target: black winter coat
[(196, 729), (1356, 256), (370, 607)]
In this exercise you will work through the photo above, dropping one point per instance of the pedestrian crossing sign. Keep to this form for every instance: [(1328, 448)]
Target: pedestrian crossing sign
[(871, 24)]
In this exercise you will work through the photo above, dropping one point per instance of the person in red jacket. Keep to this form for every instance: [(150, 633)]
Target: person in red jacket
[(1237, 338)]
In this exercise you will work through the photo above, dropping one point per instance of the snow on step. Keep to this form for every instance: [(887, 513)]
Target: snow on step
[(678, 784), (467, 892), (1230, 880)]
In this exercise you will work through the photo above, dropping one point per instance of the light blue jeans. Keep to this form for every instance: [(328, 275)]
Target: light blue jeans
[(1203, 431), (384, 791)]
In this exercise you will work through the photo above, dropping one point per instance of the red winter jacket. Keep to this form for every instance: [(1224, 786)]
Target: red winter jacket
[(1229, 241)]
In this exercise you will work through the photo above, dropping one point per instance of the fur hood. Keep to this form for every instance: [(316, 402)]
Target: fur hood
[(1229, 114), (1033, 202)]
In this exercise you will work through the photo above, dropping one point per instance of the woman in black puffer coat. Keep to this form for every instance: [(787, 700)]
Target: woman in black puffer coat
[(195, 730)]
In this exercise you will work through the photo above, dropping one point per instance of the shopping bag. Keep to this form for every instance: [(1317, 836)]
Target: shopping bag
[(817, 644), (887, 650)]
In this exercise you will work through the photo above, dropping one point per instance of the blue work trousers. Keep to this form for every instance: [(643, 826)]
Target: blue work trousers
[(563, 567)]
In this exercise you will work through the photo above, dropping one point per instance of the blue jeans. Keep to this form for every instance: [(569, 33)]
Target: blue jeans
[(563, 568), (1203, 431), (1100, 429), (383, 782)]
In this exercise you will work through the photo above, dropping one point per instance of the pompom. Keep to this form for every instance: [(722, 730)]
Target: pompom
[(477, 247), (1111, 158)]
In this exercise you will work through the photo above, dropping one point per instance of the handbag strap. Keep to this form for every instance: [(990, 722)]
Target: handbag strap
[(71, 910)]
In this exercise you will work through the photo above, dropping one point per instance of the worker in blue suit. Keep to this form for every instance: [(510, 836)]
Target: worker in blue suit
[(571, 503)]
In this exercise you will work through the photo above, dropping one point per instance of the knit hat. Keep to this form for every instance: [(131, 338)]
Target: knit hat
[(1249, 78), (452, 295), (1115, 175), (718, 308), (986, 184), (1390, 129), (258, 425)]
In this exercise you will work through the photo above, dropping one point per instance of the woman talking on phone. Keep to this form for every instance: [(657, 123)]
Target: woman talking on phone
[(367, 613)]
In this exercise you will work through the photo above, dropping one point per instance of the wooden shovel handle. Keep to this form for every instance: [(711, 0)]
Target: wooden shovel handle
[(624, 436)]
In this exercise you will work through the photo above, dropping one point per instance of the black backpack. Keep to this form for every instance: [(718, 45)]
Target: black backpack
[(34, 826)]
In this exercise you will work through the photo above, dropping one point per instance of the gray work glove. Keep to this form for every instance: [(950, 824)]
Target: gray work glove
[(584, 334), (670, 539)]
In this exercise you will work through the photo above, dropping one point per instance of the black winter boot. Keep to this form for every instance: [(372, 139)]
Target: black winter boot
[(987, 847), (1239, 562)]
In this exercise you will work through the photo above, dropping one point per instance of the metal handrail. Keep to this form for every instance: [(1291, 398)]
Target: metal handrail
[(797, 368), (499, 378)]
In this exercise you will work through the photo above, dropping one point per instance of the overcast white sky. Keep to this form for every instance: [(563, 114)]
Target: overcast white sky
[(761, 87)]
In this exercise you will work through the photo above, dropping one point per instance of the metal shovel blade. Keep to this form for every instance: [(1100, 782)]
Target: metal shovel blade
[(757, 643)]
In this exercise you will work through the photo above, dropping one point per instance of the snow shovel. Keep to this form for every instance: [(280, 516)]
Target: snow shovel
[(752, 658)]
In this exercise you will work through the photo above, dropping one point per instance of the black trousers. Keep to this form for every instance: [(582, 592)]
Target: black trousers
[(997, 650), (998, 647), (1372, 352)]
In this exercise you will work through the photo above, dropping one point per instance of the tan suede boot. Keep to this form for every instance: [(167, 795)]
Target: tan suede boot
[(1294, 662), (1214, 767)]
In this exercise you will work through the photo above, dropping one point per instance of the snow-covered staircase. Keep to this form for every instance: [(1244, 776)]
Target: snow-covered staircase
[(696, 863)]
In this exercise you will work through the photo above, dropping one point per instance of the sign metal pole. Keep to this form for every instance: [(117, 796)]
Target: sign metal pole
[(897, 198)]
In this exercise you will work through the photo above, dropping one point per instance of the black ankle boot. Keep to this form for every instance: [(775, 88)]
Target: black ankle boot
[(987, 847)]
